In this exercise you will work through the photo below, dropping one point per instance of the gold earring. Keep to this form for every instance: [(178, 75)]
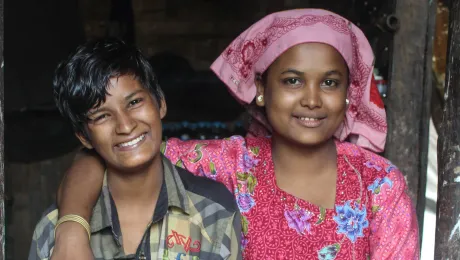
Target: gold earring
[(260, 98)]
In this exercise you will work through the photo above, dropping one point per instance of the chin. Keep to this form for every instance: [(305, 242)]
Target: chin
[(136, 164), (138, 161), (310, 139)]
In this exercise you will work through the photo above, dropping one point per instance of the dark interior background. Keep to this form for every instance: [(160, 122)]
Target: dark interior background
[(181, 38)]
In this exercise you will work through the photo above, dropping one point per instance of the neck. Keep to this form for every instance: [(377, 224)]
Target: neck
[(288, 157), (138, 187)]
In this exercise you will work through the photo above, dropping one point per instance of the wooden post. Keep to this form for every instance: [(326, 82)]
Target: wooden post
[(2, 157), (408, 101), (448, 210)]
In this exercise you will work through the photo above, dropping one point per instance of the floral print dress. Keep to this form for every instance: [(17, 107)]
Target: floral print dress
[(373, 216)]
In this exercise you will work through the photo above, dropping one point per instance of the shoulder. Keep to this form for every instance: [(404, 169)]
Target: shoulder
[(228, 149), (175, 143), (258, 141), (43, 236), (214, 192), (371, 164), (380, 177), (231, 144)]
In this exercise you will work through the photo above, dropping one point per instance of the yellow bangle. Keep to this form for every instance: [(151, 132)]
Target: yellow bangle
[(74, 218)]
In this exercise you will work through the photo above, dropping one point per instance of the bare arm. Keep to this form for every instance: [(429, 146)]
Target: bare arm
[(78, 194), (81, 185)]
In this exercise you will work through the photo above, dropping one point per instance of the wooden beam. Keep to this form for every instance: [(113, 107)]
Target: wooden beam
[(408, 101), (448, 211), (2, 156)]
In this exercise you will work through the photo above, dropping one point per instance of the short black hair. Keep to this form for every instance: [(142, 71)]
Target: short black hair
[(81, 81)]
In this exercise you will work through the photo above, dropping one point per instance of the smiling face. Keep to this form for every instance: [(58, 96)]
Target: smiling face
[(126, 129), (304, 93)]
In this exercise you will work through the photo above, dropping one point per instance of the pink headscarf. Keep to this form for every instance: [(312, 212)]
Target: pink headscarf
[(262, 43)]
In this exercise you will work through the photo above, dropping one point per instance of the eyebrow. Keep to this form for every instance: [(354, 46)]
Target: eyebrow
[(95, 111), (133, 94), (332, 72), (99, 109), (292, 71), (328, 73)]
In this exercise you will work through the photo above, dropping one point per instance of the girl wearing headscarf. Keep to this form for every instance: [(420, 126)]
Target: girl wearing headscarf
[(307, 179)]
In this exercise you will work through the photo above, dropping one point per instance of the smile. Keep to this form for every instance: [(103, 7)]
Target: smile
[(308, 119), (309, 122), (132, 142)]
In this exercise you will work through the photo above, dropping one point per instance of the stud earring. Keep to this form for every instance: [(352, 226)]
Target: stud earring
[(260, 98), (347, 101)]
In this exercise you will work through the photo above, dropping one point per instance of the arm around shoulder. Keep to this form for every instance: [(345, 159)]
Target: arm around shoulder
[(77, 195), (81, 185), (73, 244)]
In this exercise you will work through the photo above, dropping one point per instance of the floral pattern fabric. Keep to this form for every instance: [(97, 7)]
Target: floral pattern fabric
[(373, 216)]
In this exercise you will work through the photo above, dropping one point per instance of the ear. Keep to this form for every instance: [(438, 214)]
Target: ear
[(260, 90), (85, 142), (163, 108)]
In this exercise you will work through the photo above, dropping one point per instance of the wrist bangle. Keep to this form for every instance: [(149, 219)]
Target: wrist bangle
[(74, 218)]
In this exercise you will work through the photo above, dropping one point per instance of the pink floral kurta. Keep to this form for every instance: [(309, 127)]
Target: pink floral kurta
[(373, 216)]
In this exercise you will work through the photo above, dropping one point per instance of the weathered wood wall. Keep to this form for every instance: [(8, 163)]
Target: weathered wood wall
[(448, 210), (33, 188), (197, 30), (408, 102), (440, 42)]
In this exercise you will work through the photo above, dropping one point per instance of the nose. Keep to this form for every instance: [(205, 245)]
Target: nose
[(125, 123), (311, 96)]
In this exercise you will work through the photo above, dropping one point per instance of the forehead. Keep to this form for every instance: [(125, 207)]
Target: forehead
[(121, 84), (311, 56), (119, 90)]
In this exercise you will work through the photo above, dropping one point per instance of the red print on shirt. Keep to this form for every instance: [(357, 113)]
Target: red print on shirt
[(176, 238)]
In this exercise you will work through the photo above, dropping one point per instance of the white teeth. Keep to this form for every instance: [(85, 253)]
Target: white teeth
[(132, 142), (308, 119)]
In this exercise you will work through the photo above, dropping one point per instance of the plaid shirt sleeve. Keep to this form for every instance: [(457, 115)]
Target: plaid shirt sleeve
[(43, 238), (233, 234), (34, 253)]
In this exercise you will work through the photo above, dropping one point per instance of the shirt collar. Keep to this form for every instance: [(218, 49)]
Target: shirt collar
[(172, 194)]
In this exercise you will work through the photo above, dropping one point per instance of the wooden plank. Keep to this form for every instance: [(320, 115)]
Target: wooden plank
[(424, 123), (407, 104), (2, 157), (448, 211)]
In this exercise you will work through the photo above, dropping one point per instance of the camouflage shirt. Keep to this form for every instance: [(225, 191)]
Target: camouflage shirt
[(195, 218)]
